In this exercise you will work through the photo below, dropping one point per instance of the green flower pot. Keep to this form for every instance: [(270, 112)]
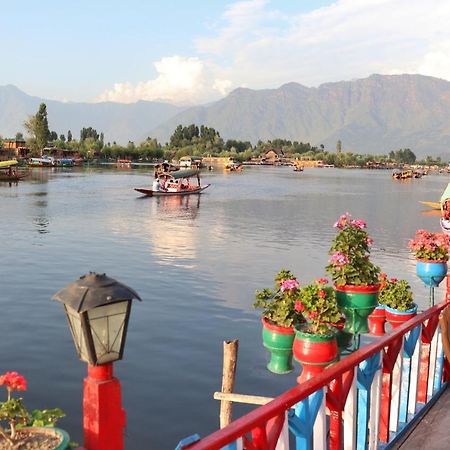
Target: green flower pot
[(278, 341), (356, 303)]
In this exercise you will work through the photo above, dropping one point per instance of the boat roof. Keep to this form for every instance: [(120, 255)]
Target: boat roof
[(446, 193), (9, 163), (181, 173)]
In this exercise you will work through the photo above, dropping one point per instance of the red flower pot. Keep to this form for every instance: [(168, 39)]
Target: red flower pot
[(314, 352), (376, 321), (396, 317)]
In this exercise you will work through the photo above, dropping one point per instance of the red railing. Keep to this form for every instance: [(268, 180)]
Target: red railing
[(260, 428)]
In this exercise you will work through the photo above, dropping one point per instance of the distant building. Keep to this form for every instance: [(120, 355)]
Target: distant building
[(274, 154), (14, 148)]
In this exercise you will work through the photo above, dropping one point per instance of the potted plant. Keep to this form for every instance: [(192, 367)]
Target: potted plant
[(315, 345), (278, 318), (431, 252), (25, 430), (354, 275), (397, 298)]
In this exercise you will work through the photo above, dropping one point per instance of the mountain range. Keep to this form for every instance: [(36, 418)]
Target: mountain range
[(370, 115)]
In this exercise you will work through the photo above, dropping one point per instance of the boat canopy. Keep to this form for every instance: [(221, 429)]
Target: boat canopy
[(9, 163), (446, 194), (181, 174)]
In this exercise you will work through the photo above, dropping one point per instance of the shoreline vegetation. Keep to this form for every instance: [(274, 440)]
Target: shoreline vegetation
[(193, 140)]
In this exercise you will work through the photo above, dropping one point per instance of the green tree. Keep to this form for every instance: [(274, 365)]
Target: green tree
[(69, 136), (19, 136), (338, 146), (37, 127)]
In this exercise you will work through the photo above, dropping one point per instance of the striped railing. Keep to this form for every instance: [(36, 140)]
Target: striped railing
[(365, 401)]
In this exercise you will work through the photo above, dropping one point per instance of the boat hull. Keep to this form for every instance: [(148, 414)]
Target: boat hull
[(152, 193), (11, 178)]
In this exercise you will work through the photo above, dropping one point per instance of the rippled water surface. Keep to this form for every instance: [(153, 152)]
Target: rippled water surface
[(196, 262)]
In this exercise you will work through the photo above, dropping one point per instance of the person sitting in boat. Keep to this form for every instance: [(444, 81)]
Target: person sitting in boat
[(156, 185)]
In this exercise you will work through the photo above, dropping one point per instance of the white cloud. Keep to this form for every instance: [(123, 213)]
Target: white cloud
[(256, 45), (180, 80)]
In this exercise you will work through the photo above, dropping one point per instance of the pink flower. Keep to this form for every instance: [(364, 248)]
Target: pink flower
[(338, 259), (13, 381), (312, 315), (369, 241), (299, 306), (322, 294), (289, 285), (394, 280), (343, 221), (358, 223)]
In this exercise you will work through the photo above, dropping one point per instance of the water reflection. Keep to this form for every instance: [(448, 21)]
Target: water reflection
[(41, 224)]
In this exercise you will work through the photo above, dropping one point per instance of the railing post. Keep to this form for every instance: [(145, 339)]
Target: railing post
[(389, 359)]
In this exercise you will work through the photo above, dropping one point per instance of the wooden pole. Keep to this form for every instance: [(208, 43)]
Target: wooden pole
[(230, 350), (242, 398)]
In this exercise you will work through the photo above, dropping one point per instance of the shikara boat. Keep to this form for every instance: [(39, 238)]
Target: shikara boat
[(175, 183), (8, 172), (233, 167)]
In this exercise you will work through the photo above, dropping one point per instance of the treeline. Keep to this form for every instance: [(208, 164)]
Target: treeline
[(193, 140)]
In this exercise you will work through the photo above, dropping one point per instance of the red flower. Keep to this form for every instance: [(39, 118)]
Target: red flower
[(322, 281), (14, 381), (312, 315), (299, 306), (322, 294), (394, 280)]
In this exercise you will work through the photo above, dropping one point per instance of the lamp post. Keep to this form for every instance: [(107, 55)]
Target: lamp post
[(98, 310)]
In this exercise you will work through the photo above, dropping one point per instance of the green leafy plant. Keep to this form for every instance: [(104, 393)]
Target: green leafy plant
[(317, 302), (349, 263), (396, 294), (278, 303), (14, 413), (430, 246)]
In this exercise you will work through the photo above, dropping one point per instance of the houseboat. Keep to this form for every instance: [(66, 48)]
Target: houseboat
[(45, 161)]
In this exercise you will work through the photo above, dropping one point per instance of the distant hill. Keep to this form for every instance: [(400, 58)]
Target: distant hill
[(372, 115), (119, 122)]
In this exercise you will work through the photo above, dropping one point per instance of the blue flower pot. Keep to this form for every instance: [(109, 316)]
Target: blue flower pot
[(431, 272)]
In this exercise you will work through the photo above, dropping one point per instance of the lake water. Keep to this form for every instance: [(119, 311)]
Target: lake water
[(196, 262)]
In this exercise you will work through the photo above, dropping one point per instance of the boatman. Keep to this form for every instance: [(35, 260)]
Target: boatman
[(156, 185)]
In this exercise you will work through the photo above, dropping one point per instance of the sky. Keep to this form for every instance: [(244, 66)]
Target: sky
[(197, 51)]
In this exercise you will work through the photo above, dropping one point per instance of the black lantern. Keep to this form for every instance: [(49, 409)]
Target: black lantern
[(98, 310)]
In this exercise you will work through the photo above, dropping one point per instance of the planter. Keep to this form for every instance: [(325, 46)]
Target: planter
[(376, 321), (43, 438), (278, 341), (396, 317), (314, 352), (431, 272), (356, 303)]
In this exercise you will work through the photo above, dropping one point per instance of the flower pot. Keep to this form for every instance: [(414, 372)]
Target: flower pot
[(396, 317), (431, 272), (35, 437), (278, 341), (314, 352), (356, 303), (376, 321)]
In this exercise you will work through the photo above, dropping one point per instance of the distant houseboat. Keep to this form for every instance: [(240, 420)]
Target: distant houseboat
[(45, 161), (191, 162)]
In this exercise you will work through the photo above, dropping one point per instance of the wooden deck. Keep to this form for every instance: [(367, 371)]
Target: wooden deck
[(433, 431)]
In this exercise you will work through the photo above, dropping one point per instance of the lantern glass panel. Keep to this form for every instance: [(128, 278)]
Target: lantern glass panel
[(74, 319), (107, 324)]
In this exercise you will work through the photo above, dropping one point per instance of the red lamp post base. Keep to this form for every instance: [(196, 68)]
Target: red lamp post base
[(103, 415)]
